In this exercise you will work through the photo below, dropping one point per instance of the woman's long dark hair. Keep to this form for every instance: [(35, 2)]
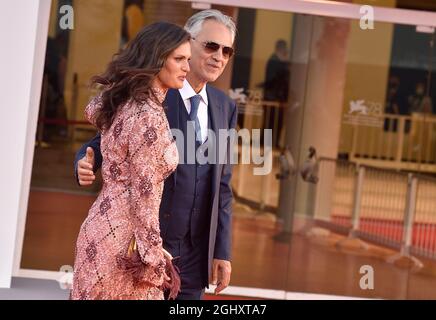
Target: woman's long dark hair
[(130, 73)]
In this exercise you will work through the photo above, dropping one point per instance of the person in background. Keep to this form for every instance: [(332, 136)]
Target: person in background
[(392, 104), (275, 89), (133, 20), (419, 102)]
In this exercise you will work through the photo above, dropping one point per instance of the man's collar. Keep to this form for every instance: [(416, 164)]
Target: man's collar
[(187, 92)]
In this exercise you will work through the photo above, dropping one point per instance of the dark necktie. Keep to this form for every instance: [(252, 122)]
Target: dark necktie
[(193, 116)]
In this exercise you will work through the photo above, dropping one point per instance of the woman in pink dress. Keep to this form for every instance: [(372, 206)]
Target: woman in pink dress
[(119, 253)]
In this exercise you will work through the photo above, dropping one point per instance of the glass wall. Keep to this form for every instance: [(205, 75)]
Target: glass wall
[(57, 204), (423, 5), (368, 113), (351, 114)]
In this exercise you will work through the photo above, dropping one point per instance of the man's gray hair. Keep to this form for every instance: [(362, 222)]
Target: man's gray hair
[(195, 22)]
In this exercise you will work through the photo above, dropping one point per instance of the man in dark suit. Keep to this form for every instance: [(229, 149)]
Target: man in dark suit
[(195, 212), (276, 88)]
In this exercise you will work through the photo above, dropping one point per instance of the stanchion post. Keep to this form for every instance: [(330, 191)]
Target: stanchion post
[(404, 256), (412, 186), (352, 241)]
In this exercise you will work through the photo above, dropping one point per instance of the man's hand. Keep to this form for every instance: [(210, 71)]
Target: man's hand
[(221, 270), (85, 167)]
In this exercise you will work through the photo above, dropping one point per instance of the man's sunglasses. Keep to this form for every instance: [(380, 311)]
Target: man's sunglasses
[(214, 47)]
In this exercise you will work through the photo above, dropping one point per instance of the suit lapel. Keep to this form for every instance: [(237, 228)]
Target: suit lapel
[(214, 112), (173, 102), (216, 124)]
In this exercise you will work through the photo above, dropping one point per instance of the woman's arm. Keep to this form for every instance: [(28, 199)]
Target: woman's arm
[(143, 143)]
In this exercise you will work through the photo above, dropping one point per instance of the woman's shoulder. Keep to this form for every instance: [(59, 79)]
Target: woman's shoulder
[(91, 109)]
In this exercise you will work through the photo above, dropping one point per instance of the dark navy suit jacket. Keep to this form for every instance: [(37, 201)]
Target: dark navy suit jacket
[(223, 115)]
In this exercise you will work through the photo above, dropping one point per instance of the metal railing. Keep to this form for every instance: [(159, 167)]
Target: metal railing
[(397, 141), (386, 207), (424, 223)]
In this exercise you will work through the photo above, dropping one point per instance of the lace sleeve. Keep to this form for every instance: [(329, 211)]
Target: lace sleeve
[(92, 108), (144, 193)]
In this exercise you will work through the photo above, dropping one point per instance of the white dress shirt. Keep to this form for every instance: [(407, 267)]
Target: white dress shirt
[(187, 92)]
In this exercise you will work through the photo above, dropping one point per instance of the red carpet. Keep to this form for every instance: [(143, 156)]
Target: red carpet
[(423, 234)]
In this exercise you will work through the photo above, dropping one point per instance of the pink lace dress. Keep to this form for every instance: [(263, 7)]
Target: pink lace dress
[(138, 154)]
